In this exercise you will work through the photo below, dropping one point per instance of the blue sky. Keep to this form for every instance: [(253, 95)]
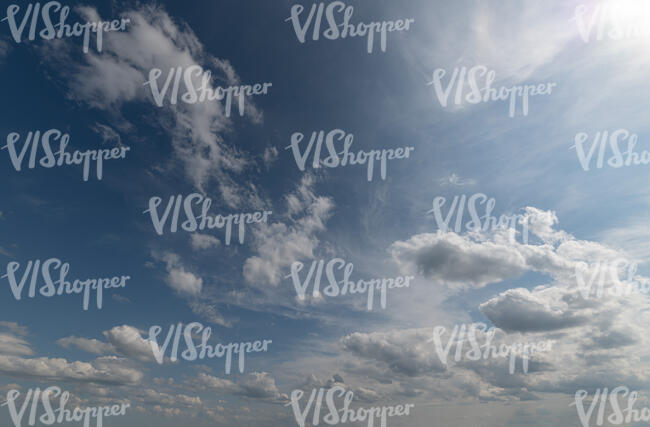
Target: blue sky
[(242, 291)]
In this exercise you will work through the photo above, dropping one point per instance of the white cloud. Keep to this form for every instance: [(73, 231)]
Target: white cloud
[(127, 341), (203, 241), (86, 344), (14, 327), (103, 370), (257, 385), (457, 260), (178, 278), (522, 310), (476, 259), (154, 397), (123, 340), (168, 412), (403, 352), (454, 180), (278, 245), (209, 313), (184, 282), (109, 80), (597, 342), (13, 345)]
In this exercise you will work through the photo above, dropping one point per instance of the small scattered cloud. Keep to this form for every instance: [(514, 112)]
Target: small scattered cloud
[(270, 156), (208, 312), (203, 241), (455, 180), (184, 282), (5, 49), (108, 134), (121, 299)]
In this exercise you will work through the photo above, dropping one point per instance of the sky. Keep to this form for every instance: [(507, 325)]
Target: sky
[(581, 219)]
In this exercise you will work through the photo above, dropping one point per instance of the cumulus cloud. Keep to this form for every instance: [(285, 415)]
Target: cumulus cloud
[(13, 345), (188, 284), (150, 396), (167, 412), (597, 340), (405, 353), (363, 394), (184, 282), (14, 327), (103, 370), (366, 395), (313, 382), (123, 340), (178, 278), (126, 340), (278, 245), (203, 241), (456, 260), (541, 223), (476, 259), (86, 344), (257, 385), (522, 310)]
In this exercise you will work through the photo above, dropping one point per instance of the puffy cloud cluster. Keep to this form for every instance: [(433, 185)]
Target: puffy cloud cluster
[(124, 340), (184, 282), (103, 370), (598, 338), (257, 385)]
